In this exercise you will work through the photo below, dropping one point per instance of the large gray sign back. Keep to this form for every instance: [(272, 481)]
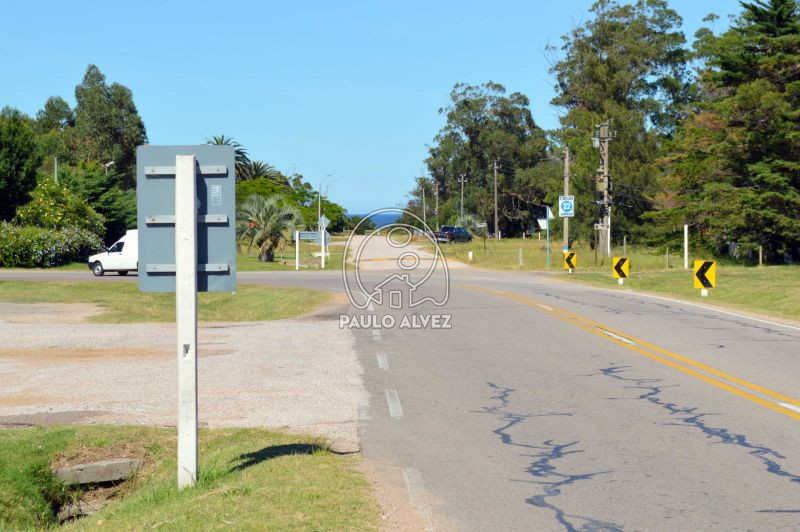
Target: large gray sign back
[(216, 217)]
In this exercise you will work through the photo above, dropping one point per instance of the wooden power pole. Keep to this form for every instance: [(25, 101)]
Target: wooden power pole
[(462, 179), (603, 227), (496, 225)]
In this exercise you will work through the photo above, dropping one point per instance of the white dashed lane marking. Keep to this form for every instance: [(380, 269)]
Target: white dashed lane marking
[(383, 362), (393, 400)]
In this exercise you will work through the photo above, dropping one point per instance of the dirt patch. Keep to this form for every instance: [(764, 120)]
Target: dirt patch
[(332, 308), (54, 354), (23, 399), (397, 510), (48, 312), (86, 453)]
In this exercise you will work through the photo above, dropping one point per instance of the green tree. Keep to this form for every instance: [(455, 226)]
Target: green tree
[(107, 124), (364, 228), (241, 159), (627, 63), (486, 127), (266, 223), (53, 206), (734, 166), (101, 189), (19, 159), (55, 115)]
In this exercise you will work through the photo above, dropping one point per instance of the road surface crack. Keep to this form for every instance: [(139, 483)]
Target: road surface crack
[(544, 465), (767, 456)]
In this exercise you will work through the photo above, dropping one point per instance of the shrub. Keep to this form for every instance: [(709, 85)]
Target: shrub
[(39, 247), (53, 206)]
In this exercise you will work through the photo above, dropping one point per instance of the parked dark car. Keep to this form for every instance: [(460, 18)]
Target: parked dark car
[(452, 233)]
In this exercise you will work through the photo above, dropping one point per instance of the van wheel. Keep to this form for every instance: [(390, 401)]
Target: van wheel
[(122, 272), (97, 269)]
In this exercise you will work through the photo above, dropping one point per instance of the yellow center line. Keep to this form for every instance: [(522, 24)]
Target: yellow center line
[(597, 328)]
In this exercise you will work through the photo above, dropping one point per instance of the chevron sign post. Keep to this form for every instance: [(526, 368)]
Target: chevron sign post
[(705, 275), (570, 260), (621, 268)]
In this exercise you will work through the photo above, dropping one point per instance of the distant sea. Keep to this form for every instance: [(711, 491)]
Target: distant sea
[(384, 218)]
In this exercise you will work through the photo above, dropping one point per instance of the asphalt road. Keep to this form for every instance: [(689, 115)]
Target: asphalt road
[(552, 406)]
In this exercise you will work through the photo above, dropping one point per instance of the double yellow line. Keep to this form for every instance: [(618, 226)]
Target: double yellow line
[(758, 394)]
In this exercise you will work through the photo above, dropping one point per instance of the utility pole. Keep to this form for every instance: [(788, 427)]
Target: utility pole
[(424, 219), (603, 227), (496, 227), (462, 179), (566, 193)]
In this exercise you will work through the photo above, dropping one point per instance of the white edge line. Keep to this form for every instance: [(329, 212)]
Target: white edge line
[(549, 309), (713, 309), (393, 400), (416, 494)]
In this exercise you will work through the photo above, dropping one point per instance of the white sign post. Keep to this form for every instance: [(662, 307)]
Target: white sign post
[(186, 310), (297, 250)]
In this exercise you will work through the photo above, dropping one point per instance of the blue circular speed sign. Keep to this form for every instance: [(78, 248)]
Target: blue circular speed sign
[(566, 206)]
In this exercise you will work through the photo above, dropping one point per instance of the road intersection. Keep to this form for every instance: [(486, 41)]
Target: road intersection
[(555, 406)]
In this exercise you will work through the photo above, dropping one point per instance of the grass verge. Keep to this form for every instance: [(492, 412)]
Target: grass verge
[(770, 290), (123, 303), (249, 479)]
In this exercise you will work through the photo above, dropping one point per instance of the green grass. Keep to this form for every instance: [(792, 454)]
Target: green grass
[(249, 479), (516, 254), (123, 303), (248, 261), (71, 267), (770, 290)]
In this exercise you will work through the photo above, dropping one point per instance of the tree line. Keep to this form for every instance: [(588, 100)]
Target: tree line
[(706, 134), (68, 176)]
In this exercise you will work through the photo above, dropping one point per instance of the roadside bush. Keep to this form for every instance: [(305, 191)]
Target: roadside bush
[(38, 247), (54, 206)]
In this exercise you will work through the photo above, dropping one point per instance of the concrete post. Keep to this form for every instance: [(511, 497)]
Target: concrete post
[(186, 310), (685, 246), (297, 250)]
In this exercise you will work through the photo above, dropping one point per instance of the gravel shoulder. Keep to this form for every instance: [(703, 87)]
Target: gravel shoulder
[(300, 375)]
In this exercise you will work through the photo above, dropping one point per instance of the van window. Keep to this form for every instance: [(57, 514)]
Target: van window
[(116, 248)]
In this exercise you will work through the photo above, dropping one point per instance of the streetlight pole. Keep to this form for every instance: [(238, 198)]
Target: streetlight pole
[(319, 197)]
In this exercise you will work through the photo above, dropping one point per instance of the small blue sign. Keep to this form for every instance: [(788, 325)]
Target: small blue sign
[(566, 206)]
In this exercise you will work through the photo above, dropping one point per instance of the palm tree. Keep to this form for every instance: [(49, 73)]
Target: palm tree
[(266, 223), (241, 159), (257, 169)]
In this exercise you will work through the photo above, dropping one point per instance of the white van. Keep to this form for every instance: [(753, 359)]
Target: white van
[(122, 257)]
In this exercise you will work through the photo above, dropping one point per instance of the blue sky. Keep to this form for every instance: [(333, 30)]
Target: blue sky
[(348, 88)]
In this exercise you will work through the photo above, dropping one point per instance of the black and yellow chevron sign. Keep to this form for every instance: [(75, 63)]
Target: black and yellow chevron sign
[(705, 273), (621, 267), (570, 260)]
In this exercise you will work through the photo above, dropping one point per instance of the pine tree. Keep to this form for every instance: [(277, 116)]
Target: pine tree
[(735, 162)]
